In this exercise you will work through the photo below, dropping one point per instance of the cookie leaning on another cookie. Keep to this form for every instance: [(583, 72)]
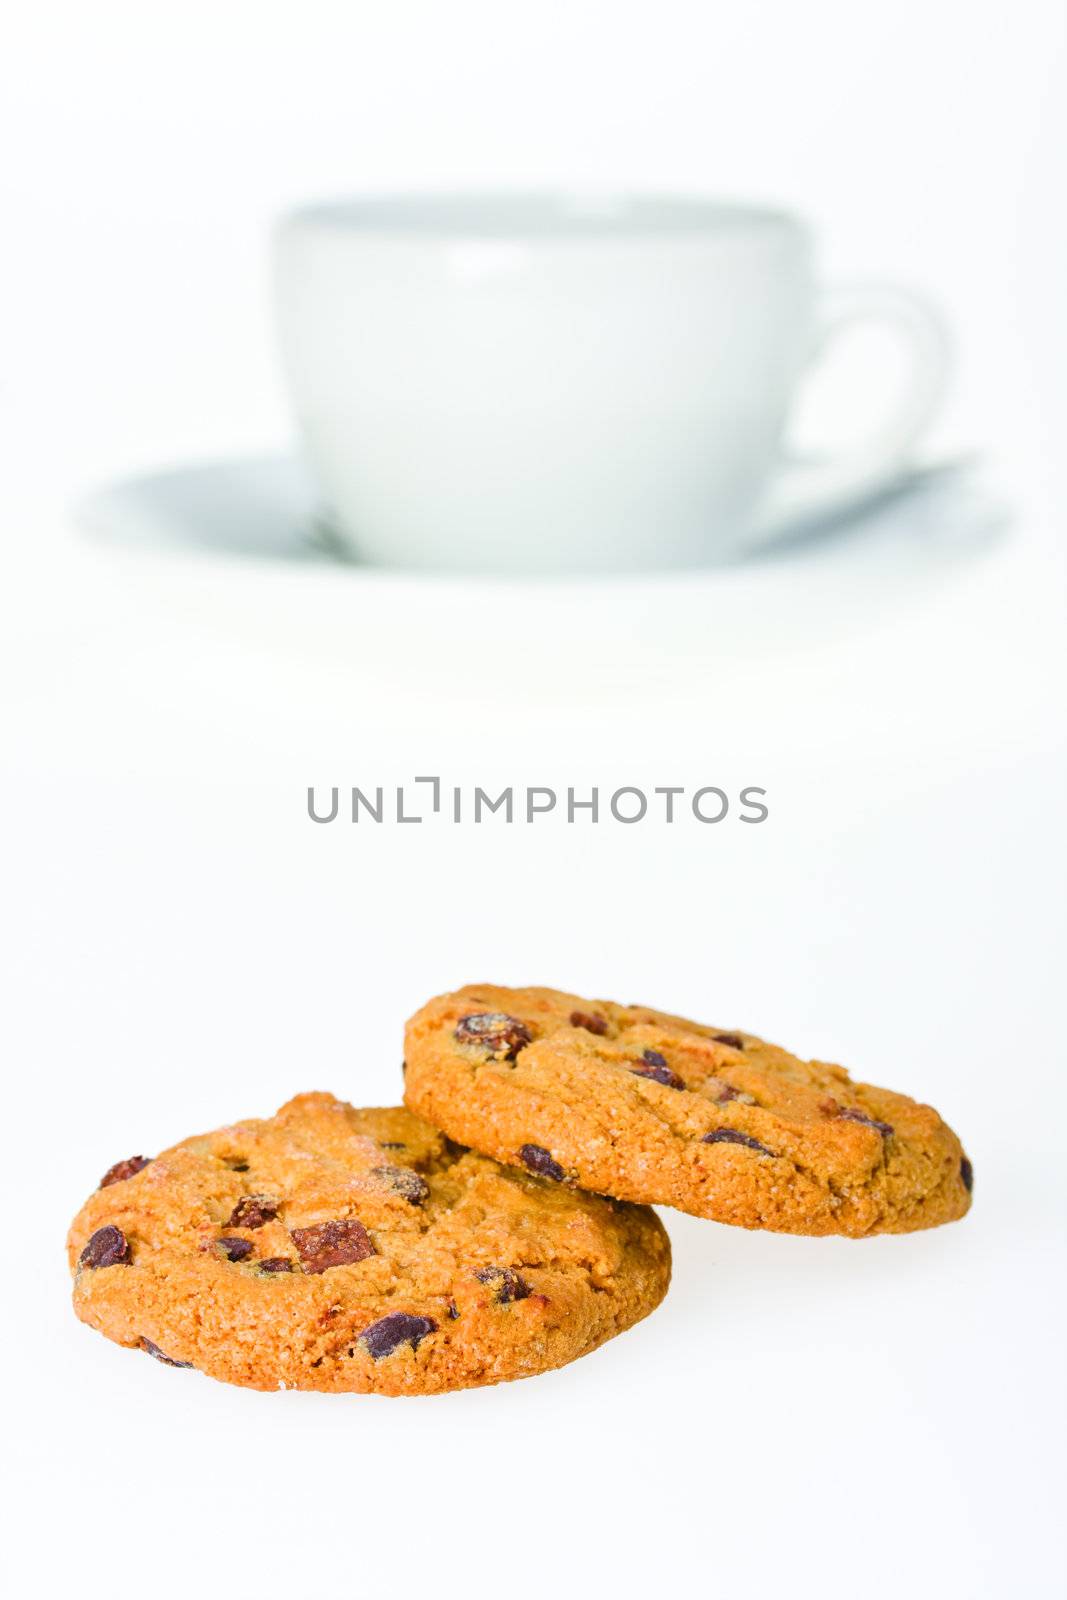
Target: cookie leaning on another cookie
[(649, 1107), (342, 1250)]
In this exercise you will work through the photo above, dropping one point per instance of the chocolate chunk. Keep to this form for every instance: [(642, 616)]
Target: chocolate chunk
[(234, 1249), (967, 1174), (453, 1311), (722, 1092), (734, 1136), (332, 1244), (540, 1161), (590, 1021), (496, 1032), (123, 1169), (653, 1065), (506, 1284), (253, 1211), (849, 1114), (398, 1328), (237, 1166), (734, 1040), (275, 1264), (153, 1350), (402, 1181), (108, 1247)]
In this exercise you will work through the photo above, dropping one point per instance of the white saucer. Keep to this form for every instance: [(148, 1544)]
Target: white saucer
[(266, 506), (251, 527)]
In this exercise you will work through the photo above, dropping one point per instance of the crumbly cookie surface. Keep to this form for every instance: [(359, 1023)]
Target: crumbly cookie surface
[(648, 1107), (338, 1249)]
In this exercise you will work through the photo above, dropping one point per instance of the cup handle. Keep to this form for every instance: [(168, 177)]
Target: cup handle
[(808, 487)]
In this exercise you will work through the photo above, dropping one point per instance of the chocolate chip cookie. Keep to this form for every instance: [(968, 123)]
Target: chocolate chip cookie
[(647, 1107), (342, 1250)]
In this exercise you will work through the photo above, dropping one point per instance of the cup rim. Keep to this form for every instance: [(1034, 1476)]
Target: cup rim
[(547, 216)]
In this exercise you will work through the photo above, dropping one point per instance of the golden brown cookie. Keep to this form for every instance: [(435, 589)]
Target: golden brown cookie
[(648, 1107), (335, 1249)]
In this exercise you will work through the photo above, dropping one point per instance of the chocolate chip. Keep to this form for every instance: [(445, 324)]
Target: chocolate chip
[(540, 1161), (453, 1311), (153, 1350), (398, 1328), (123, 1169), (496, 1032), (653, 1065), (108, 1247), (402, 1181), (234, 1249), (506, 1283), (722, 1092), (734, 1040), (850, 1114), (590, 1021), (734, 1136), (237, 1166), (253, 1211), (275, 1264), (332, 1244), (967, 1174)]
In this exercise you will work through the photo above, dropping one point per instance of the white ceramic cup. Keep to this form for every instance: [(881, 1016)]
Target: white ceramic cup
[(543, 383)]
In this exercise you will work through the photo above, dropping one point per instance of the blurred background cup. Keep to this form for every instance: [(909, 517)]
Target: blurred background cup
[(537, 383)]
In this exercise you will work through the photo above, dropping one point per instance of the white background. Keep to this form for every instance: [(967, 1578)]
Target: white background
[(184, 947)]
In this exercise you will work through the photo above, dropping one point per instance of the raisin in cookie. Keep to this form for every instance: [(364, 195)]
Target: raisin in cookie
[(648, 1107), (335, 1249)]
